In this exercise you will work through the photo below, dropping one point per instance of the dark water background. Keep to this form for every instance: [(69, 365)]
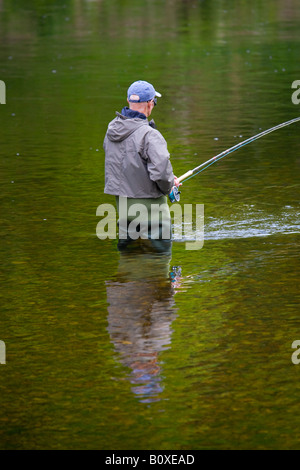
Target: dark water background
[(111, 351)]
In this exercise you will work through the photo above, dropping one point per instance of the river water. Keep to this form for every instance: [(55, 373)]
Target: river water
[(110, 350)]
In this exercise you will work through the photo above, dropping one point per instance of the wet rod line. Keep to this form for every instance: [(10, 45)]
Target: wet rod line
[(189, 174)]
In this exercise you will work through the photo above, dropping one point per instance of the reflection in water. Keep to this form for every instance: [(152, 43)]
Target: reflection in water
[(140, 314)]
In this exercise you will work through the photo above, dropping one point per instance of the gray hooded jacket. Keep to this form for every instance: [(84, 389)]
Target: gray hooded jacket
[(137, 161)]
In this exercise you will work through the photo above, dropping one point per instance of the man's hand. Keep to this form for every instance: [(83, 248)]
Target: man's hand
[(176, 182)]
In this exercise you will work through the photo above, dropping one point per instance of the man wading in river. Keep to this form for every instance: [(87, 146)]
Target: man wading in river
[(138, 169)]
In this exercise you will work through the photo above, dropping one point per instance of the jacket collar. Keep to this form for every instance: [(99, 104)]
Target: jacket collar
[(130, 113)]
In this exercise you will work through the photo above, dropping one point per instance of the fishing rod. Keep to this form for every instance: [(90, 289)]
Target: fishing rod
[(175, 193)]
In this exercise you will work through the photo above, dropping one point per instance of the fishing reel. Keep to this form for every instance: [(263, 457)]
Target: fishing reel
[(174, 195)]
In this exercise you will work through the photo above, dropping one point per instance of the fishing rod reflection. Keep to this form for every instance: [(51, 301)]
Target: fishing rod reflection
[(141, 311)]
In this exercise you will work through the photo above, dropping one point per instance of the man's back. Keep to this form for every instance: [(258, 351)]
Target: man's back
[(137, 161)]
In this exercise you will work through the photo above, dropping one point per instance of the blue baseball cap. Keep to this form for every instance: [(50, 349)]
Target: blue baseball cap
[(140, 92)]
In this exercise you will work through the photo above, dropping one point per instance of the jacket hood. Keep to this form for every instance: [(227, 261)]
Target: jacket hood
[(122, 126)]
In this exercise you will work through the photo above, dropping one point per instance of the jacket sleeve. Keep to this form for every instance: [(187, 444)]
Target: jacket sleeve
[(158, 161)]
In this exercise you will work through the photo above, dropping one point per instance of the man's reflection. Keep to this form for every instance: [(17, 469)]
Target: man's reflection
[(141, 311)]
